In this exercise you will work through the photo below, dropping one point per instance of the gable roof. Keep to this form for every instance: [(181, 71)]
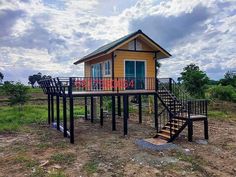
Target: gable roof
[(108, 47)]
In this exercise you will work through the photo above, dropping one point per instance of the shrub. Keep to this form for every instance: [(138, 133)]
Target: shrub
[(225, 93), (17, 92)]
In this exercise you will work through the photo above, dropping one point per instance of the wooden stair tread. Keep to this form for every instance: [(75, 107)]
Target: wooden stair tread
[(167, 131), (174, 128), (163, 135)]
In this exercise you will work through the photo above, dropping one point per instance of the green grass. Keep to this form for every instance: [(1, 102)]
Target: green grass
[(221, 115), (63, 158), (11, 119), (91, 167), (35, 90), (25, 161)]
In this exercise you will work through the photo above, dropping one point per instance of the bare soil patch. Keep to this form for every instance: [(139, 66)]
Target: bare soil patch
[(42, 151)]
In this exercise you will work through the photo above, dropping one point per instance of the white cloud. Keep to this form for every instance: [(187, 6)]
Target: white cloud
[(48, 37)]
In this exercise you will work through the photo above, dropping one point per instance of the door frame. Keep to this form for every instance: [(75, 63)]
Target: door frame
[(145, 68)]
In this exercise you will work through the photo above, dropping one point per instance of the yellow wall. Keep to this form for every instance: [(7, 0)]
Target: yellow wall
[(122, 55), (87, 65)]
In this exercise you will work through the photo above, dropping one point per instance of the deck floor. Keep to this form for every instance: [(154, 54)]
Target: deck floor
[(123, 92)]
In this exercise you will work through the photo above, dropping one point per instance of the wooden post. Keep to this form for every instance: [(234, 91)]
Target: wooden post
[(71, 113), (91, 110), (52, 108), (140, 108), (101, 110), (156, 111), (113, 113), (118, 106), (64, 116), (85, 108), (49, 109), (125, 120)]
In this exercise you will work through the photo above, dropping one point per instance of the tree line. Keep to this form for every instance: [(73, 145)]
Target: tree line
[(198, 84), (35, 78)]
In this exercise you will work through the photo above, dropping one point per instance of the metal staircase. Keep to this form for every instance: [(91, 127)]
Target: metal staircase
[(177, 109)]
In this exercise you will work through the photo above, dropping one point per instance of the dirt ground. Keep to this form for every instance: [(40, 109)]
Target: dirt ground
[(42, 151)]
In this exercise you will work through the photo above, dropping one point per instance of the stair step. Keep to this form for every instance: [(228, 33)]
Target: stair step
[(173, 128), (166, 131), (163, 135), (173, 123)]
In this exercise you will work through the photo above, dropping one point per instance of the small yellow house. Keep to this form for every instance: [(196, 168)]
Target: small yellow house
[(132, 57)]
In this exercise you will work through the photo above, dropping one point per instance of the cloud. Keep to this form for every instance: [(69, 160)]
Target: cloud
[(167, 29), (7, 20), (48, 36)]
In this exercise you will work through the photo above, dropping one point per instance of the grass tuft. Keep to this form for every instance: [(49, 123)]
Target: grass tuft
[(91, 167), (63, 158)]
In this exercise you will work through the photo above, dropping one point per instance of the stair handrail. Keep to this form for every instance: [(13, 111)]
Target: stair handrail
[(182, 90)]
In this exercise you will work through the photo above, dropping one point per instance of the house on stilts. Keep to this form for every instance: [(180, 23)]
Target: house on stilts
[(123, 68)]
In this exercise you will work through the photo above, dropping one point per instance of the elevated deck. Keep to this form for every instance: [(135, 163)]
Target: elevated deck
[(110, 93)]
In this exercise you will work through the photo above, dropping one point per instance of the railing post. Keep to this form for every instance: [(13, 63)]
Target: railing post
[(170, 84), (71, 111)]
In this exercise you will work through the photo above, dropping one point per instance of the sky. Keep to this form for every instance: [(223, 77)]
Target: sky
[(47, 36)]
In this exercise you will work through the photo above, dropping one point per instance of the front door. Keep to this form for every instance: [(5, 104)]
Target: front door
[(135, 72)]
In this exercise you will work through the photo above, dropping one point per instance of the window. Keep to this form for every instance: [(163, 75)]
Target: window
[(107, 67), (97, 70)]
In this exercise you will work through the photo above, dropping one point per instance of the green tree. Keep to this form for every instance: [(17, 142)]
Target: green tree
[(34, 79), (194, 80), (1, 77), (18, 94), (229, 79)]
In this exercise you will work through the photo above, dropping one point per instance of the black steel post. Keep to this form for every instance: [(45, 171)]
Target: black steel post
[(190, 130), (52, 108), (127, 106), (140, 108), (125, 109), (58, 111), (101, 110), (155, 112), (118, 106), (91, 110), (206, 129), (64, 116), (113, 113), (71, 112), (85, 108), (170, 84), (49, 109)]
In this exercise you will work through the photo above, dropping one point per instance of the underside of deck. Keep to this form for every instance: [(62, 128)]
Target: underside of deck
[(110, 93)]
